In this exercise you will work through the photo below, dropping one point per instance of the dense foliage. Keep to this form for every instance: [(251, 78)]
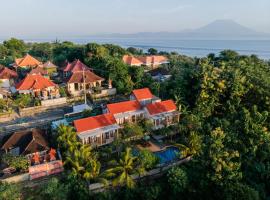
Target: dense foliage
[(224, 101)]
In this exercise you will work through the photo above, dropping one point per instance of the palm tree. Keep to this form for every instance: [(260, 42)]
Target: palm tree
[(123, 169), (83, 163), (67, 139)]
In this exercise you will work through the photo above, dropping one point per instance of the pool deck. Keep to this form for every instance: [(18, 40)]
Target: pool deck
[(153, 147)]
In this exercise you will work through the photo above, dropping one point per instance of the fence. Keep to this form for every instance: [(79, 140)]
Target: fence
[(104, 93), (54, 102), (17, 179)]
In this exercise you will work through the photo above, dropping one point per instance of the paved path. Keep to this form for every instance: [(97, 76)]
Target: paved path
[(40, 119)]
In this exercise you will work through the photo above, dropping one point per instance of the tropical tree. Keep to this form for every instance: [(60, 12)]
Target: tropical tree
[(177, 180), (23, 100), (67, 138), (9, 191), (122, 170), (54, 190), (84, 164)]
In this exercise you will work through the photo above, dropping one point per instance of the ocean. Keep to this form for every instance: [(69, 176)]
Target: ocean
[(189, 47), (198, 48)]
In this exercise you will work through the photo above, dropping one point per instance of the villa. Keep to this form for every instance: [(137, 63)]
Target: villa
[(38, 86), (97, 131), (80, 77), (162, 114), (126, 112), (75, 66), (7, 77), (144, 96), (27, 62), (150, 61), (83, 80)]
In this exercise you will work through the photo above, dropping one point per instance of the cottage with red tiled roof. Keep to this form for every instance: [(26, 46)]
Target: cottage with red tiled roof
[(7, 77), (38, 86), (26, 62), (80, 78), (152, 61), (97, 131), (127, 111), (162, 114), (83, 80), (144, 96), (75, 66)]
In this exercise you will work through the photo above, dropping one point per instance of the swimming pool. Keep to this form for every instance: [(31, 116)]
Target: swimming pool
[(167, 155)]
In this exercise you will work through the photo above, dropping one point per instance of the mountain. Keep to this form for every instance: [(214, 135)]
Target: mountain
[(219, 29)]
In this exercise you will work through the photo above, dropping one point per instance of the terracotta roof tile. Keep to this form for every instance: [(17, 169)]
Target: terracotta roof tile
[(90, 77), (126, 106), (6, 73), (92, 123), (27, 61), (35, 82), (29, 141), (142, 94), (131, 60), (75, 66), (161, 107)]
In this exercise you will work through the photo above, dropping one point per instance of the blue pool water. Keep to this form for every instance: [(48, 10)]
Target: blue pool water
[(168, 155)]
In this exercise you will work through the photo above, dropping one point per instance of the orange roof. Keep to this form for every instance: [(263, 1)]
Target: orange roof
[(34, 82), (27, 61), (126, 106), (92, 123), (148, 60), (89, 77), (131, 60), (161, 107), (142, 94)]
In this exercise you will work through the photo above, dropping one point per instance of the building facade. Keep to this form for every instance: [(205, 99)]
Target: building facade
[(97, 131)]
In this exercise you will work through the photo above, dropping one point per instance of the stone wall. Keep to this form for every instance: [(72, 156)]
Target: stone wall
[(104, 93)]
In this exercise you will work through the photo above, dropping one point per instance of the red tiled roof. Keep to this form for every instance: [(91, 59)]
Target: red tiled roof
[(6, 73), (75, 66), (34, 82), (126, 106), (148, 60), (92, 123), (90, 77), (161, 107), (27, 61), (142, 94), (131, 60), (39, 70)]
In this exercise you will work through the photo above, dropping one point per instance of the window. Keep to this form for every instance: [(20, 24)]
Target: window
[(76, 85), (112, 133), (107, 136)]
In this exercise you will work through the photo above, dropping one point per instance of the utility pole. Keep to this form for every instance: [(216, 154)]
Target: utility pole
[(85, 101)]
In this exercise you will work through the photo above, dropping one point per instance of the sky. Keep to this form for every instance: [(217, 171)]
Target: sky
[(34, 18)]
